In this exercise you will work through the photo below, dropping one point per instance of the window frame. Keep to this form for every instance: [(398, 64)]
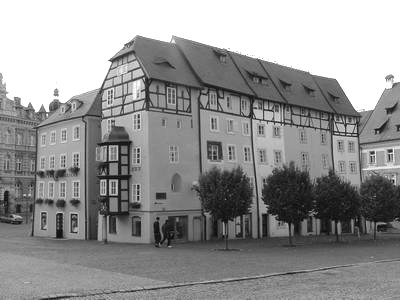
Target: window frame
[(63, 165), (387, 156), (173, 154), (78, 194), (247, 157), (50, 195), (136, 193), (61, 135), (74, 138), (135, 231), (53, 137), (340, 146), (62, 192), (71, 230), (110, 96), (137, 121), (103, 187), (74, 155), (113, 153), (137, 89), (110, 187), (171, 95), (232, 157), (136, 156), (216, 119), (372, 154)]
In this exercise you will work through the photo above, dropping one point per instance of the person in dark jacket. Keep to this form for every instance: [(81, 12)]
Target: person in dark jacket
[(157, 233), (168, 233)]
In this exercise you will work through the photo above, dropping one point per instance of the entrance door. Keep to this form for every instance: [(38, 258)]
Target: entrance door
[(6, 196), (264, 225), (59, 225), (196, 228), (325, 226), (180, 225)]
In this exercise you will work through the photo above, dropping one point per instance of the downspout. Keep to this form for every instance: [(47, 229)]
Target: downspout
[(331, 124), (34, 187), (204, 236), (85, 180), (363, 222)]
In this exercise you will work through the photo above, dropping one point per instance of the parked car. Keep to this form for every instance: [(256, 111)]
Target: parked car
[(383, 227), (12, 218)]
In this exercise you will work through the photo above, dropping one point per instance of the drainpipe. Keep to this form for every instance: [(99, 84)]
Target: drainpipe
[(34, 187), (204, 235), (85, 180)]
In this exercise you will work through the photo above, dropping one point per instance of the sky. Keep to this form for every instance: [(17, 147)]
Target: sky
[(67, 44)]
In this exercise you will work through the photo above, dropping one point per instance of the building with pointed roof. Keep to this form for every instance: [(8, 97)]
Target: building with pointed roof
[(17, 154), (188, 107)]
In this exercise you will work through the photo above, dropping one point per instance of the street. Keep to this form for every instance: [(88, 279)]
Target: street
[(36, 268)]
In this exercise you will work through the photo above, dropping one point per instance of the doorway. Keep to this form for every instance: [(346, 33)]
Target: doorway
[(59, 225), (264, 225), (197, 228), (180, 224), (6, 200)]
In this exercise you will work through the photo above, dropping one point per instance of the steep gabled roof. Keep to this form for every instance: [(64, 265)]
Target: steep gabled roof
[(365, 115), (373, 131), (213, 66), (91, 105), (160, 60), (335, 96), (296, 86)]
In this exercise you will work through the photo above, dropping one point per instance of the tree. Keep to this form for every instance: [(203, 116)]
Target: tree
[(335, 199), (225, 195), (379, 201), (288, 195)]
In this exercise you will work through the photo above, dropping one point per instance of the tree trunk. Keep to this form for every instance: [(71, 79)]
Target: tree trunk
[(290, 234), (374, 230), (226, 235), (336, 232)]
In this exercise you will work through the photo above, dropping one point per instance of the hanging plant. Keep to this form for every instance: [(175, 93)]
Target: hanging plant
[(59, 173), (74, 170), (50, 173), (40, 174), (103, 199), (135, 205), (49, 201), (60, 203), (74, 202), (39, 201)]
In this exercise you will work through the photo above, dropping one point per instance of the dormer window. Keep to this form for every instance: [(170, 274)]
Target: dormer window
[(256, 79), (62, 109), (333, 98), (222, 59), (264, 81), (309, 91), (391, 109), (163, 62), (73, 106), (285, 85), (221, 56), (381, 127), (398, 127)]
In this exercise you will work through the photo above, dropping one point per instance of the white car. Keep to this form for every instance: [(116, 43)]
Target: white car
[(12, 218)]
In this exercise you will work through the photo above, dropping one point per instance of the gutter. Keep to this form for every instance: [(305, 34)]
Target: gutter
[(34, 187), (85, 180)]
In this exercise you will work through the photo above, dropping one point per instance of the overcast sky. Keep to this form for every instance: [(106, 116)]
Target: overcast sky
[(67, 44)]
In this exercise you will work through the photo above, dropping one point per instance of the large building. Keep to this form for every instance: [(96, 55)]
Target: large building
[(67, 189), (17, 153), (185, 107)]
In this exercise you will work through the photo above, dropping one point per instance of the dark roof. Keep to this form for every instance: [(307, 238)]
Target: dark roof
[(364, 118), (117, 134), (300, 88), (335, 96), (161, 60), (380, 115), (91, 105), (205, 62), (42, 109)]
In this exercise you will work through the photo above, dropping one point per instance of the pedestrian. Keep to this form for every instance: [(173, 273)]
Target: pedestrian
[(157, 233), (168, 233)]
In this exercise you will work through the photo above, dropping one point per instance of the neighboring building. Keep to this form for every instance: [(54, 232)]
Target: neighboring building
[(66, 184), (17, 154), (186, 107)]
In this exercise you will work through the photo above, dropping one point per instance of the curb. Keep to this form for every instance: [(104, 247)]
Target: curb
[(216, 281)]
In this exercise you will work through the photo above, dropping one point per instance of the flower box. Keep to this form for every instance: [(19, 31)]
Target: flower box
[(74, 170), (60, 203), (40, 174), (103, 199), (135, 205), (59, 173), (39, 201), (49, 201), (50, 173), (75, 202)]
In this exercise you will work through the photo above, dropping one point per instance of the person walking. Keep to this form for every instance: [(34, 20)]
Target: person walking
[(157, 233), (168, 233)]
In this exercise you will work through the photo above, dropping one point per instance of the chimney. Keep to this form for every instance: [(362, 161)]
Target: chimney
[(17, 101), (389, 81)]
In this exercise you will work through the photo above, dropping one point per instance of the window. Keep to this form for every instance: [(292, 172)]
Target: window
[(110, 96), (74, 223), (18, 165), (304, 161), (260, 129), (303, 136), (110, 124), (43, 220), (392, 178), (32, 140), (229, 103), (32, 165), (262, 156), (50, 192), (176, 183), (337, 118), (214, 151), (230, 125), (231, 152), (277, 157), (43, 140), (163, 122), (73, 106), (42, 163), (179, 124), (7, 161), (113, 153), (303, 111), (41, 189), (76, 190), (256, 79), (353, 167), (372, 158), (76, 134), (171, 96), (349, 120), (244, 104), (323, 138), (75, 160), (340, 145), (19, 139), (63, 135), (259, 105), (103, 187), (122, 70), (247, 154), (173, 154), (276, 108), (63, 161), (389, 156), (137, 89), (351, 146), (136, 192), (214, 123), (136, 226), (342, 166), (112, 224), (264, 81), (136, 156), (324, 161), (62, 191), (113, 188), (245, 128), (276, 131), (52, 162), (137, 121), (52, 138), (213, 100)]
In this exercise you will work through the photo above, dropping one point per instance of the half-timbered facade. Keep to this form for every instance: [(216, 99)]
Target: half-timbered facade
[(188, 107)]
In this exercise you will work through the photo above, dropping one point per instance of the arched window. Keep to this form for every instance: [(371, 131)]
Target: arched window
[(176, 183)]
